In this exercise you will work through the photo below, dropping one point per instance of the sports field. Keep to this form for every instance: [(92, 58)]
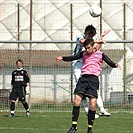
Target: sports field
[(60, 122)]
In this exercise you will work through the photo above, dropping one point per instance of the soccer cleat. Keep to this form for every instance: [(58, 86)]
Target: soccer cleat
[(11, 115), (27, 113), (89, 131), (72, 130), (104, 113), (96, 116)]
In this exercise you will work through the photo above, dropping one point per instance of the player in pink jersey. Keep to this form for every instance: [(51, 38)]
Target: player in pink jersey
[(88, 83), (89, 33)]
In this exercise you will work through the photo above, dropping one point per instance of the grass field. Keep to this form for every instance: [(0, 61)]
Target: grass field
[(60, 122)]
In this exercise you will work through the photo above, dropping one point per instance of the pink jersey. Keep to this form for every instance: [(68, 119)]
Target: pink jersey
[(92, 63)]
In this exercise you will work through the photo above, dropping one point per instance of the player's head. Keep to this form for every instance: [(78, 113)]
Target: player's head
[(19, 63), (90, 31), (89, 45)]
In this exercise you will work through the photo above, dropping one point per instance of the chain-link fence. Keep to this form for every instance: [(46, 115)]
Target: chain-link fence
[(52, 83), (48, 26)]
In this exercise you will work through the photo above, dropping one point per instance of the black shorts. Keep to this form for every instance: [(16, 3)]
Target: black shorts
[(18, 92), (88, 85)]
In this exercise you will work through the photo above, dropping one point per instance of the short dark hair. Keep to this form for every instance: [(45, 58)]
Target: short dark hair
[(91, 30), (89, 41), (19, 60)]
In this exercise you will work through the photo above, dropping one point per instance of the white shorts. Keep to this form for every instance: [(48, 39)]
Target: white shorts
[(77, 66)]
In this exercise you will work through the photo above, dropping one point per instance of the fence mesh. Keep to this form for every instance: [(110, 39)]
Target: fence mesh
[(52, 83)]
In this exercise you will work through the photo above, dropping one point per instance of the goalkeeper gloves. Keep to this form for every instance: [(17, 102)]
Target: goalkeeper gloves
[(27, 89)]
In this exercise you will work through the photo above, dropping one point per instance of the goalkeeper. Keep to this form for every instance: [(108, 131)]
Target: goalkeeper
[(90, 32), (20, 84)]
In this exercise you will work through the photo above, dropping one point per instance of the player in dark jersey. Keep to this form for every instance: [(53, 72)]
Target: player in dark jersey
[(20, 84)]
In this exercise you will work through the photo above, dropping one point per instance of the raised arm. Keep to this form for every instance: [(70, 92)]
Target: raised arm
[(110, 62), (100, 41), (69, 58), (103, 34)]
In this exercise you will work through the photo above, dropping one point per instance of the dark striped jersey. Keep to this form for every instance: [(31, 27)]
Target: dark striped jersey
[(20, 77)]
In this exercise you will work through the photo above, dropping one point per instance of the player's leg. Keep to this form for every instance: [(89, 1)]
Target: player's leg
[(77, 66), (26, 106), (93, 86), (103, 111), (22, 98), (12, 98), (91, 114), (75, 113), (85, 104), (12, 108)]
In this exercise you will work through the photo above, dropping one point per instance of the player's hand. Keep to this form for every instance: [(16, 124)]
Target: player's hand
[(118, 66), (105, 33), (59, 58), (27, 89)]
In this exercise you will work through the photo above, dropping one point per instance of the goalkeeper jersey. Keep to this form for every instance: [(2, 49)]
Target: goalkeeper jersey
[(20, 77)]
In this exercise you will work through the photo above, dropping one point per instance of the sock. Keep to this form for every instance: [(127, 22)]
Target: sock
[(12, 112), (91, 117), (26, 106), (28, 110), (75, 114), (12, 107)]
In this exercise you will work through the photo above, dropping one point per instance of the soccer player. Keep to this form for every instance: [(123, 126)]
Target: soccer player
[(20, 84), (88, 83), (89, 32)]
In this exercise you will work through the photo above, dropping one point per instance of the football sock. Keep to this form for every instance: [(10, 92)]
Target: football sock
[(91, 117), (89, 127), (75, 114), (12, 112), (28, 110), (12, 107), (25, 106)]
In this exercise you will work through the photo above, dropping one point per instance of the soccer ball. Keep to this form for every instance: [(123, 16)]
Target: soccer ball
[(95, 11)]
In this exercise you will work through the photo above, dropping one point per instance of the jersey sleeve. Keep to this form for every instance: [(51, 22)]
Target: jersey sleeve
[(27, 79), (73, 57), (12, 78), (108, 61)]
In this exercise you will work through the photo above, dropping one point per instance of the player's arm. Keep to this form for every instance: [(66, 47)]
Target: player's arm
[(69, 58), (27, 80), (12, 78), (100, 41), (103, 34), (80, 38), (79, 44), (110, 62)]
